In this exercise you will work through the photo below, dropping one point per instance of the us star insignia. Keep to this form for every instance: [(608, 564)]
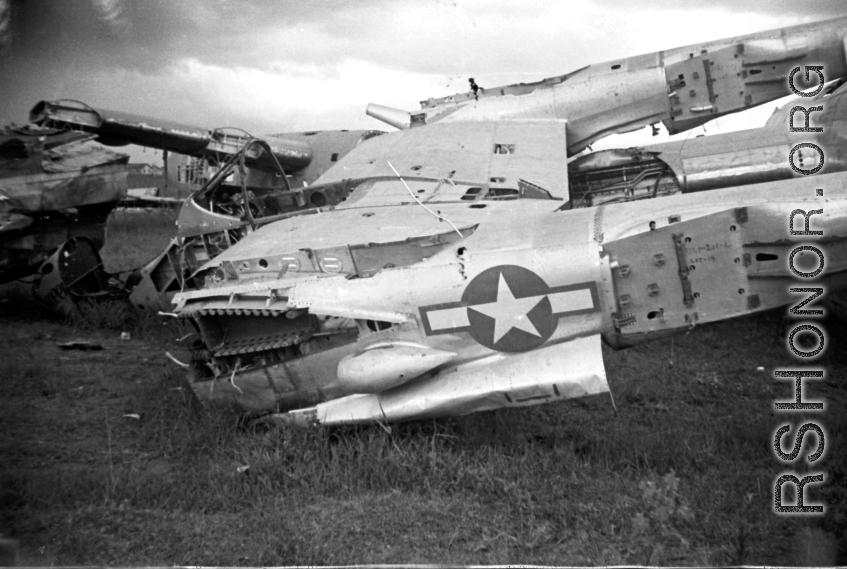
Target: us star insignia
[(510, 309)]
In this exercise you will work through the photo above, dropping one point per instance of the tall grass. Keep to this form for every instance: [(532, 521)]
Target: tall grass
[(655, 493)]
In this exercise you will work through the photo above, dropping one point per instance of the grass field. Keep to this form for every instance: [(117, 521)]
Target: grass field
[(107, 459)]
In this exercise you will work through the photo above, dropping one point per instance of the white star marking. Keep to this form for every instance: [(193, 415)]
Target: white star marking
[(509, 312)]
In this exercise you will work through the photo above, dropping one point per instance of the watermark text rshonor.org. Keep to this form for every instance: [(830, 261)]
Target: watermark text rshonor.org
[(810, 248)]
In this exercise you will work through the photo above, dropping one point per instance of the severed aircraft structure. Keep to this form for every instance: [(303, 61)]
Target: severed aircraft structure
[(57, 188), (460, 264), (715, 161), (248, 181)]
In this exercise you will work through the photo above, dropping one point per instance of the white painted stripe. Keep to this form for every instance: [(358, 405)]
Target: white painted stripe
[(448, 318), (571, 300)]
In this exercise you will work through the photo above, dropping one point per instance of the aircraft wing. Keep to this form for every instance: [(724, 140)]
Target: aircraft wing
[(441, 162), (561, 371), (682, 87)]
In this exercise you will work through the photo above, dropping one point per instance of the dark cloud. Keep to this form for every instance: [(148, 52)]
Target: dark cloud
[(145, 35), (49, 48)]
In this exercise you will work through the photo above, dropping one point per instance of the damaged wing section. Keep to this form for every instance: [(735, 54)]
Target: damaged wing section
[(486, 160), (682, 87), (567, 370)]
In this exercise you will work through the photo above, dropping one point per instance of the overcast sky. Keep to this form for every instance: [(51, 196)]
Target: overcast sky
[(288, 65)]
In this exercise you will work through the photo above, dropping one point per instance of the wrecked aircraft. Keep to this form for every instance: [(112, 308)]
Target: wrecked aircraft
[(455, 278), (607, 176), (249, 182), (453, 275), (344, 318), (57, 189), (588, 104)]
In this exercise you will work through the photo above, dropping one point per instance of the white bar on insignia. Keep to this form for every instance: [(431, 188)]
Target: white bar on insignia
[(448, 318), (571, 300)]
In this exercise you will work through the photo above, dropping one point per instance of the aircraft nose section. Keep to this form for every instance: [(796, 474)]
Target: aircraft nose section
[(388, 365)]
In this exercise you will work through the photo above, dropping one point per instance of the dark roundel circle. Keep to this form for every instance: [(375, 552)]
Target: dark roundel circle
[(524, 295)]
